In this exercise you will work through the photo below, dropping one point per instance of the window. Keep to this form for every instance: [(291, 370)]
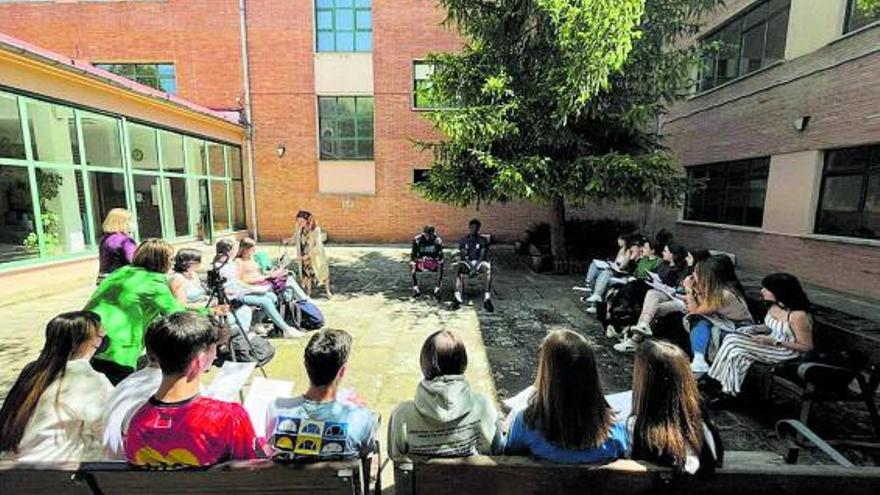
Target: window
[(849, 204), (142, 147), (856, 17), (172, 152), (233, 156), (423, 99), (733, 193), (157, 76), (749, 41), (101, 136), (62, 210), (344, 25), (216, 160), (346, 127), (53, 133), (420, 175), (196, 158), (219, 206), (17, 228), (108, 192), (11, 138)]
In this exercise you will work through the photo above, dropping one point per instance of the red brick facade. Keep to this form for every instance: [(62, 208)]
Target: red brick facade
[(202, 39)]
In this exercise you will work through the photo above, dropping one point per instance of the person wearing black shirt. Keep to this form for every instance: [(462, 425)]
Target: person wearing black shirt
[(473, 249), (426, 256)]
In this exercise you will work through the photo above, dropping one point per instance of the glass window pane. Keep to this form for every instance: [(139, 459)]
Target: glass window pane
[(777, 31), (345, 108), (233, 156), (344, 20), (326, 41), (172, 151), (755, 16), (327, 106), (196, 160), (871, 217), (63, 211), (18, 238), (199, 209), (362, 3), (108, 192), (239, 221), (347, 149), (101, 136), (324, 3), (752, 49), (146, 70), (728, 57), (422, 70), (215, 159), (219, 206), (324, 19), (365, 128), (168, 85), (53, 133), (364, 41), (142, 147), (847, 160), (839, 211), (11, 137), (344, 3), (147, 201), (365, 149), (176, 203), (363, 20), (166, 70), (344, 41), (859, 17)]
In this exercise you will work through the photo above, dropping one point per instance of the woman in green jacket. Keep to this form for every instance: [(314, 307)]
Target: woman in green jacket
[(127, 301)]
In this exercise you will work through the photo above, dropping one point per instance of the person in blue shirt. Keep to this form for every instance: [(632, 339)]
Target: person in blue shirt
[(567, 420), (318, 424)]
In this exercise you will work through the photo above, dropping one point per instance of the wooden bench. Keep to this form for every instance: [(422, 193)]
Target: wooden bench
[(743, 473), (115, 478)]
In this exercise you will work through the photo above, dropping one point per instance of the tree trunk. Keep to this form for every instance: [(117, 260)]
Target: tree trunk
[(557, 229)]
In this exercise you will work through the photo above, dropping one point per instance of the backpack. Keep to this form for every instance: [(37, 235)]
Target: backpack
[(623, 306), (310, 317), (260, 350)]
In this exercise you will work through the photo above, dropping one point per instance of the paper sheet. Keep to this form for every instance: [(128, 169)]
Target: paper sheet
[(262, 392), (621, 402), (229, 381)]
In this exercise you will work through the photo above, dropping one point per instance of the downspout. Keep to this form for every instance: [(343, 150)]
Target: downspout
[(245, 65)]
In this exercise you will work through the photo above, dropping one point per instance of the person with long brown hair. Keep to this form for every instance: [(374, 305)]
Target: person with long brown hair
[(53, 411), (567, 420), (308, 246), (667, 425)]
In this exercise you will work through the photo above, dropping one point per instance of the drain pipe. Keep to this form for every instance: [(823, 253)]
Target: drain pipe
[(245, 66)]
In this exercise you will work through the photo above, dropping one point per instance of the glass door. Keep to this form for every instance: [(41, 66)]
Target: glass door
[(147, 203)]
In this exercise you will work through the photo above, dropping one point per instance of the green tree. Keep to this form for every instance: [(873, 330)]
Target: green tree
[(556, 102)]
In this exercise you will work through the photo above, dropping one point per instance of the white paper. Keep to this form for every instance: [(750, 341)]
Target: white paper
[(520, 400), (229, 381), (601, 264), (263, 392), (621, 402), (669, 291)]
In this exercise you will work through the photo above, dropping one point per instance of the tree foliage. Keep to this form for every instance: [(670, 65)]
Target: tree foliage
[(556, 100)]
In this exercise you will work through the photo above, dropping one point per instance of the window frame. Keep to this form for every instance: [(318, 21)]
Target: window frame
[(355, 29), (870, 168), (755, 163), (135, 66), (355, 138), (851, 7)]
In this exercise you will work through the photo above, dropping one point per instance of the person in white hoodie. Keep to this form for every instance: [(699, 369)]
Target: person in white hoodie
[(446, 419)]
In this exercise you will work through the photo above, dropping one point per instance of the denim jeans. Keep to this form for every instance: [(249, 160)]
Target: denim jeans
[(592, 273), (701, 332), (604, 279), (266, 304)]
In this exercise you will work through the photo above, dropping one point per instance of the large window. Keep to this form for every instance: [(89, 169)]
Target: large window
[(749, 41), (849, 204), (344, 25), (856, 17), (346, 127), (62, 169), (423, 97), (157, 76), (730, 192)]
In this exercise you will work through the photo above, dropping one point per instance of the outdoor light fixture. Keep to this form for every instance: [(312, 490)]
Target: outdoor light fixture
[(281, 150), (801, 122)]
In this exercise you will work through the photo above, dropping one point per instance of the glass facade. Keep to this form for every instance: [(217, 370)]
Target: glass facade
[(849, 204), (346, 127), (857, 17), (157, 76), (732, 193), (344, 25), (749, 41), (62, 169)]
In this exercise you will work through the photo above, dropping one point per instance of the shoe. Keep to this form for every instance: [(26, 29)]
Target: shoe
[(611, 332), (261, 329), (625, 346), (456, 301), (292, 333), (416, 292), (595, 298), (488, 305), (699, 366), (643, 329), (437, 293), (591, 309)]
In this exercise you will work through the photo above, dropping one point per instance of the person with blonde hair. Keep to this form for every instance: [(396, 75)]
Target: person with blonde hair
[(116, 247), (308, 247), (128, 300), (567, 419)]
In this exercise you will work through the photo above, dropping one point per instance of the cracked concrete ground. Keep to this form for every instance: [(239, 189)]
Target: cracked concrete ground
[(372, 301)]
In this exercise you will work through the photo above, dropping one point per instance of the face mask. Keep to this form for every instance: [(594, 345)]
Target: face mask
[(105, 344)]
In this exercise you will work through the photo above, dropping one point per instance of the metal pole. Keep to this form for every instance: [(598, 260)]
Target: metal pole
[(245, 65)]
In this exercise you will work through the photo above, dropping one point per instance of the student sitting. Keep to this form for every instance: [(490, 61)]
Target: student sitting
[(620, 276), (658, 302), (715, 305), (177, 427), (473, 250), (446, 418), (317, 425), (597, 266), (787, 333), (53, 411), (568, 419), (667, 426), (129, 395), (426, 256), (622, 307)]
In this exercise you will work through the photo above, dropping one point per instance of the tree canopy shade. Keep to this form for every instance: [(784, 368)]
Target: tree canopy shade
[(556, 102)]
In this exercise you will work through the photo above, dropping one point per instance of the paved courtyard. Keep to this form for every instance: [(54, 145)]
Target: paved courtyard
[(371, 300)]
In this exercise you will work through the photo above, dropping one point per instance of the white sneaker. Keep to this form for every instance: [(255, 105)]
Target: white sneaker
[(595, 298), (584, 288), (591, 309), (292, 333), (699, 366), (611, 332), (626, 346), (642, 328)]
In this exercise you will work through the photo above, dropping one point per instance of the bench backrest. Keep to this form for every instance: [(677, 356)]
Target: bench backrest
[(330, 478), (744, 472)]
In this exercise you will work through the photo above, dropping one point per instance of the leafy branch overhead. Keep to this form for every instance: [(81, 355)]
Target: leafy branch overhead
[(557, 100)]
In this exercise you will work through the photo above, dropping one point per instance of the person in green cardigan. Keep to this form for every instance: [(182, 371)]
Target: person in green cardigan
[(127, 301)]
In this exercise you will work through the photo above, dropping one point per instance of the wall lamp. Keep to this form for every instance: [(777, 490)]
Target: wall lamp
[(801, 122), (281, 150)]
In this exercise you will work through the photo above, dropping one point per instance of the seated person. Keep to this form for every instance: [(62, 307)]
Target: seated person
[(472, 250), (317, 424), (446, 418), (129, 395), (787, 333), (597, 266), (53, 412), (567, 420), (613, 276), (630, 296), (259, 296), (177, 427), (426, 256), (667, 426)]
